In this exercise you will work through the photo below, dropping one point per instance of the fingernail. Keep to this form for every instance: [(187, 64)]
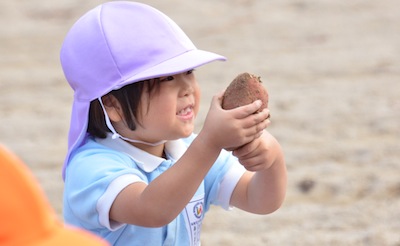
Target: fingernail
[(258, 103)]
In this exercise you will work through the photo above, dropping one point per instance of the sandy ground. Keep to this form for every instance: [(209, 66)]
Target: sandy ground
[(332, 69)]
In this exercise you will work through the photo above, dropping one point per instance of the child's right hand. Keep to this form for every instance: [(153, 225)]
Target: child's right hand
[(229, 129)]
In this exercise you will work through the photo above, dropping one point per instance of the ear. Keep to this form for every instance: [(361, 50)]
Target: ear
[(112, 107)]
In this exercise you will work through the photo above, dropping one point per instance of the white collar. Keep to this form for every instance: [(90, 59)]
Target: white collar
[(147, 162)]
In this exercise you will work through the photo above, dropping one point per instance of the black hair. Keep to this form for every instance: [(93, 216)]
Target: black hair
[(129, 98)]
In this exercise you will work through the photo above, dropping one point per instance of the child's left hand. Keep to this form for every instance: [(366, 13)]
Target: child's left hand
[(262, 188), (256, 155)]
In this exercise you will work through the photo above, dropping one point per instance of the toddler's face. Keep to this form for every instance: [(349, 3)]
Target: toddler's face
[(170, 112)]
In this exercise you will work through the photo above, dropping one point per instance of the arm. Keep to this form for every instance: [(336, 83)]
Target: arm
[(262, 188), (159, 202)]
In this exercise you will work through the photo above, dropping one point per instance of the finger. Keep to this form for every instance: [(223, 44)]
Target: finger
[(266, 110), (246, 110), (220, 96), (216, 101), (254, 132), (256, 119), (221, 93), (216, 98), (243, 150), (252, 164), (254, 168)]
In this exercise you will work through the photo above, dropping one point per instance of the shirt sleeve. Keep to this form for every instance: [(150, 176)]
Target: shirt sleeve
[(228, 184), (222, 179), (94, 178), (107, 199)]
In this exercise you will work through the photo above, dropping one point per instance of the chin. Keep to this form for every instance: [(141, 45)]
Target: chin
[(187, 133)]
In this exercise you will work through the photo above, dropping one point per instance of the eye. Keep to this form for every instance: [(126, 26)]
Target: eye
[(168, 78), (190, 71)]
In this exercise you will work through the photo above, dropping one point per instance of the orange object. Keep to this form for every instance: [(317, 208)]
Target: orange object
[(26, 217)]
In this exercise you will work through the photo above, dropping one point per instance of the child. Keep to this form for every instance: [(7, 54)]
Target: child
[(135, 174)]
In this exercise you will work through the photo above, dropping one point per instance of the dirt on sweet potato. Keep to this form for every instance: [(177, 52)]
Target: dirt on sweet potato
[(245, 89)]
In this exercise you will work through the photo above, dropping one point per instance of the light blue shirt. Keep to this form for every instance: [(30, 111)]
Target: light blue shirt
[(101, 168)]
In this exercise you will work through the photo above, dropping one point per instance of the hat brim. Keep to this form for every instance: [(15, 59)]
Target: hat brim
[(184, 62)]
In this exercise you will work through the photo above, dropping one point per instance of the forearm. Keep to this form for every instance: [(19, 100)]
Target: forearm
[(166, 196), (262, 190), (267, 188)]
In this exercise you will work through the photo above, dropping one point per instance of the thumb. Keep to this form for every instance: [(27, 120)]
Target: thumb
[(217, 99)]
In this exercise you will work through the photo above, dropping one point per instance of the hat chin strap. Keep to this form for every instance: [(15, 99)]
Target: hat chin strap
[(117, 135)]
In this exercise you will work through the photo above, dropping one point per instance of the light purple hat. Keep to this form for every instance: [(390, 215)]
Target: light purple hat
[(116, 44)]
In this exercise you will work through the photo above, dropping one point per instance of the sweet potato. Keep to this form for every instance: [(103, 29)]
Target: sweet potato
[(245, 89)]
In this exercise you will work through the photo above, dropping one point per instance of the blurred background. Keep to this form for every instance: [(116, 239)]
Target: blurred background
[(332, 69)]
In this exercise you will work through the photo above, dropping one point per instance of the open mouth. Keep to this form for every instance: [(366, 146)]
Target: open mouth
[(186, 111)]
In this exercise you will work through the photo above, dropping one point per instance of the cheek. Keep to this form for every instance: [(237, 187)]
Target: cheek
[(161, 105), (197, 97)]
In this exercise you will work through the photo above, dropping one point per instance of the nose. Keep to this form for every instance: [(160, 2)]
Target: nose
[(187, 85)]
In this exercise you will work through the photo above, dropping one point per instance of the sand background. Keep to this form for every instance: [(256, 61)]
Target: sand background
[(332, 69)]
